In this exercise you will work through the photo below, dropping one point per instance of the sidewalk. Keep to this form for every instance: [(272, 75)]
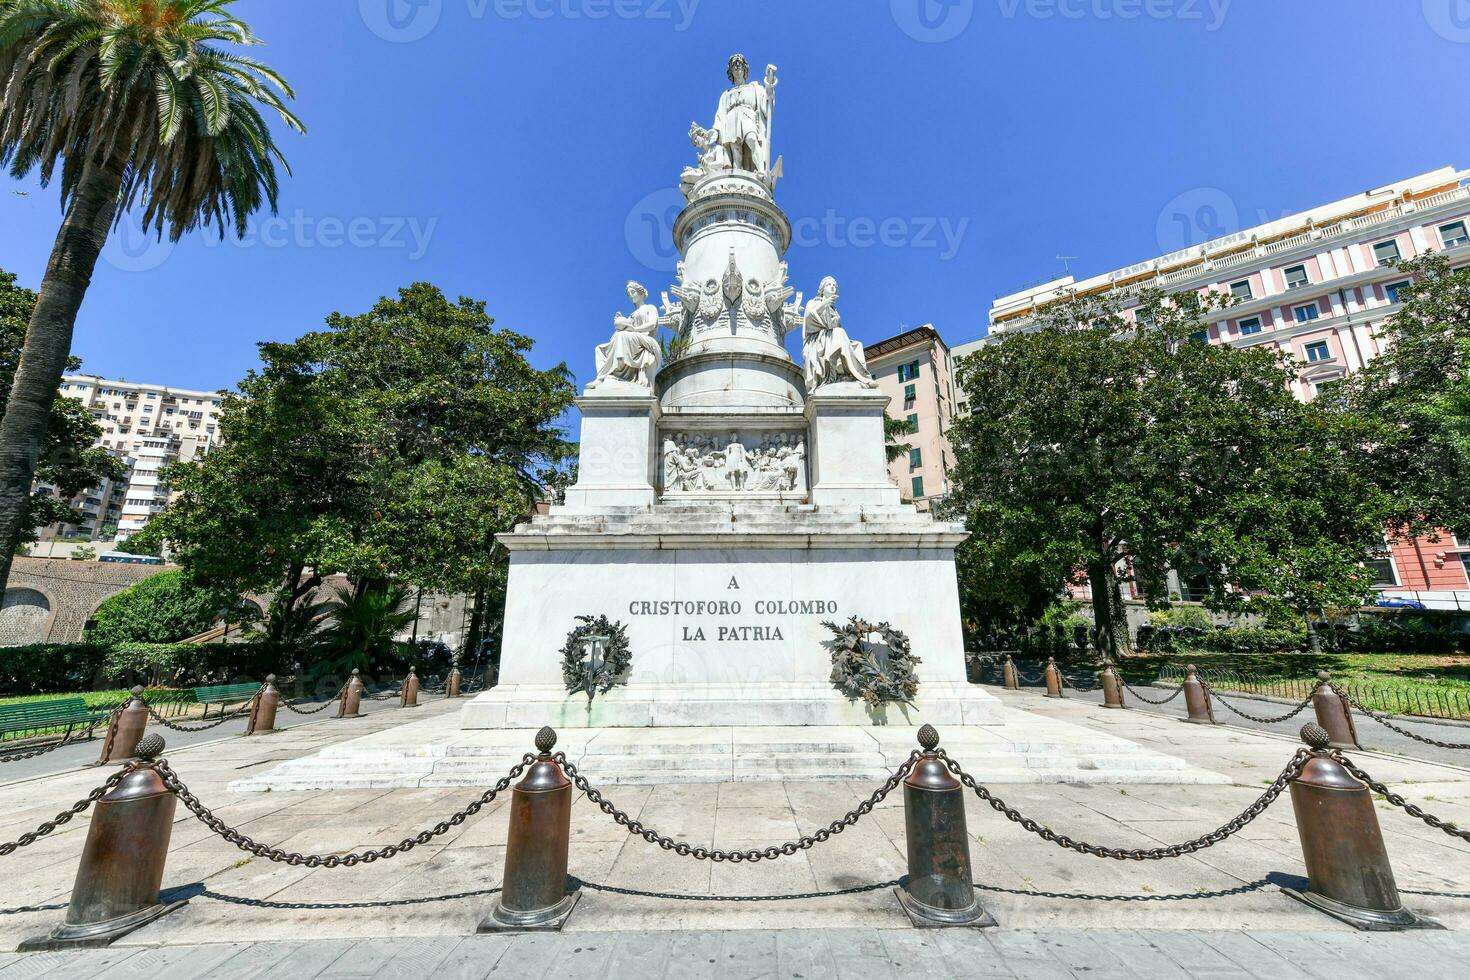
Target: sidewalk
[(441, 890), (860, 954)]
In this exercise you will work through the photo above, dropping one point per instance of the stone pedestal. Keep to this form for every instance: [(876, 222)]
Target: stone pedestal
[(619, 425), (849, 465)]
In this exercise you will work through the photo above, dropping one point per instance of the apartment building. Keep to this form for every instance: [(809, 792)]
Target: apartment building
[(148, 427), (913, 370), (1318, 285)]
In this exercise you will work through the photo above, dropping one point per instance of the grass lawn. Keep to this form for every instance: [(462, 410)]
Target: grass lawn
[(171, 704), (1428, 684)]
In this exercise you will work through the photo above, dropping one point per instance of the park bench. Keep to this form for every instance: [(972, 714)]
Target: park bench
[(38, 716), (223, 694)]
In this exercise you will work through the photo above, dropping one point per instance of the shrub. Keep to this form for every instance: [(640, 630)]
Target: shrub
[(52, 668), (1177, 617), (164, 608)]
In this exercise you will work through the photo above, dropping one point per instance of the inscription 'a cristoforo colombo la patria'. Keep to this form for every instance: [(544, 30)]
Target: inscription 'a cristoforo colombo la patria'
[(732, 608)]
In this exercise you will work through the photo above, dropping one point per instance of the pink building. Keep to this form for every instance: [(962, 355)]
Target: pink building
[(1318, 285)]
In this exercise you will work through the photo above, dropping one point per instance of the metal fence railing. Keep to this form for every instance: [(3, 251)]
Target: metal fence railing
[(1427, 702)]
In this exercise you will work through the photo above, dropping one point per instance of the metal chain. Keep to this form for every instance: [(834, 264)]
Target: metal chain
[(321, 707), (1382, 720), (65, 816), (18, 756), (245, 843), (1080, 690), (197, 728), (1257, 718), (1292, 770), (1400, 802), (685, 849), (1147, 700)]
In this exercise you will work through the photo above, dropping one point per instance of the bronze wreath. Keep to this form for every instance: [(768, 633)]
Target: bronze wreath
[(858, 671), (617, 658)]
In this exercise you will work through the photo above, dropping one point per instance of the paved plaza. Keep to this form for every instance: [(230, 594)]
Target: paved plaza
[(833, 903)]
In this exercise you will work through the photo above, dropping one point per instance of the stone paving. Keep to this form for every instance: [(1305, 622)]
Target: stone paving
[(799, 954), (440, 891)]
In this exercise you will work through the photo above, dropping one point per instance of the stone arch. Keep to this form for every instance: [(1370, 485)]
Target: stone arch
[(25, 616)]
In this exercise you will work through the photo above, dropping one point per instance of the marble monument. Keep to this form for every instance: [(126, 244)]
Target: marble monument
[(730, 501)]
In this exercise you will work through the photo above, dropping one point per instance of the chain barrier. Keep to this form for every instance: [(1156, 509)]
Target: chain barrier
[(33, 753), (1073, 687), (1147, 700), (384, 696), (321, 707), (685, 849), (153, 713), (65, 816), (1382, 720), (246, 843), (1234, 826), (1258, 718), (1398, 801)]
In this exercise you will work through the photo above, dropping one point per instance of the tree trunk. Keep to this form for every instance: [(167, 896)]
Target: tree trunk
[(48, 345), (1107, 608), (1314, 641)]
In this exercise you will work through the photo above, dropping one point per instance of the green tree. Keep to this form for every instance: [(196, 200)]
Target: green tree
[(148, 541), (1101, 451), (129, 102), (71, 458), (395, 444), (363, 625), (895, 432), (163, 608), (1418, 390)]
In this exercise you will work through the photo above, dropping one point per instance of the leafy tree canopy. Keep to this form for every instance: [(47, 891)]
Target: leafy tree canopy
[(1095, 449), (164, 608)]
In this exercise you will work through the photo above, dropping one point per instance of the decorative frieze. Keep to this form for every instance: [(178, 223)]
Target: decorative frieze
[(763, 463)]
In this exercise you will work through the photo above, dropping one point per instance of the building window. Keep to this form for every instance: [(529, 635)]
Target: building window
[(1141, 317), (916, 459), (918, 485), (1453, 234), (1393, 288), (910, 395), (1241, 291), (1303, 314), (908, 372), (1384, 575), (1386, 253), (1296, 277), (913, 421), (1318, 351), (1200, 337), (1249, 326)]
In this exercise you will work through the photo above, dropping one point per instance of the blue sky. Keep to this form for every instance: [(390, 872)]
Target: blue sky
[(525, 152)]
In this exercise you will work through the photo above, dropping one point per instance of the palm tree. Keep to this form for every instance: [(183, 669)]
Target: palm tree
[(131, 103)]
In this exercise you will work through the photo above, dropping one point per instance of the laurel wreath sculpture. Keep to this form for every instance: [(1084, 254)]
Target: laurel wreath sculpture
[(858, 671), (617, 658)]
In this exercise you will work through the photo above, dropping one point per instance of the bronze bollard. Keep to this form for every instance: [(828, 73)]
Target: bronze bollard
[(351, 696), (1348, 874), (1053, 678), (451, 686), (1112, 688), (409, 696), (125, 730), (1333, 715), (263, 708), (939, 889), (1197, 699), (533, 895), (1008, 672), (121, 871)]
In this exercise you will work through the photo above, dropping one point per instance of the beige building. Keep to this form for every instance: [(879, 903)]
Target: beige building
[(913, 369), (148, 427)]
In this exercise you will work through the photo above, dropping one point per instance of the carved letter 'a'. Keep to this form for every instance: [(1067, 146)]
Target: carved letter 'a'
[(733, 585)]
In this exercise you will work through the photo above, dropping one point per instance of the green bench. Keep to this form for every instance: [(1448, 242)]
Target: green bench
[(70, 713), (223, 694)]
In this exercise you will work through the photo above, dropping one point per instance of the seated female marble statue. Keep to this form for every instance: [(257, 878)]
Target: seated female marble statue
[(829, 354), (633, 355)]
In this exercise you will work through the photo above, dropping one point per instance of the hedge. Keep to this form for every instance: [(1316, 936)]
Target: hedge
[(55, 668)]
